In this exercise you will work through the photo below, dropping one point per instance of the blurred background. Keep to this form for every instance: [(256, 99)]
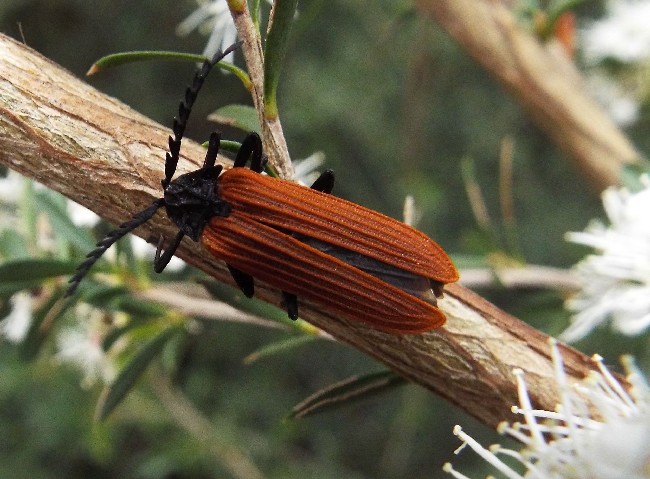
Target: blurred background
[(398, 109)]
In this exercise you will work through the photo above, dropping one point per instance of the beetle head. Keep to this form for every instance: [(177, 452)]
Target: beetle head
[(191, 200)]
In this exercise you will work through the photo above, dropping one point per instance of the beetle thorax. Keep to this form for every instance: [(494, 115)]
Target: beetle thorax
[(192, 199)]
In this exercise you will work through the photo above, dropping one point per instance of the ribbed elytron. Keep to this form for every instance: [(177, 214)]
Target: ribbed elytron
[(349, 260)]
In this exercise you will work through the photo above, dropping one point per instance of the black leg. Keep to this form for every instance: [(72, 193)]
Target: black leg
[(161, 261), (244, 281), (213, 150), (290, 302), (325, 182), (251, 148)]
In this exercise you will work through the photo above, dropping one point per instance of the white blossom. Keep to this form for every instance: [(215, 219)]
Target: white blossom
[(211, 17), (15, 326), (306, 170), (615, 279), (80, 345), (623, 34), (621, 104), (598, 430), (81, 216)]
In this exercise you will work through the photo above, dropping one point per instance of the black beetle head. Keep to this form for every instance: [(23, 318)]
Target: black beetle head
[(191, 200)]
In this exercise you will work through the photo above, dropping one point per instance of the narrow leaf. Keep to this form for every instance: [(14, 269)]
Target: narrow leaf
[(140, 308), (24, 274), (131, 372), (35, 269), (346, 391), (60, 221), (279, 347), (243, 117), (12, 244), (43, 320), (117, 59), (274, 50)]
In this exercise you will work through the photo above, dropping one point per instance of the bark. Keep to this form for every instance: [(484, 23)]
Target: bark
[(61, 132)]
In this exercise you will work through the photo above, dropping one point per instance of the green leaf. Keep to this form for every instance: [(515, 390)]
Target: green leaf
[(30, 269), (117, 59), (227, 145), (131, 372), (55, 210), (255, 13), (29, 273), (139, 308), (243, 117), (274, 50), (279, 347), (12, 244), (103, 296), (346, 391), (43, 319)]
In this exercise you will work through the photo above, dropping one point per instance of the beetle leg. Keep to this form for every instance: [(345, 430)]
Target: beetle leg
[(251, 148), (213, 150), (290, 302), (244, 281), (325, 182), (162, 260)]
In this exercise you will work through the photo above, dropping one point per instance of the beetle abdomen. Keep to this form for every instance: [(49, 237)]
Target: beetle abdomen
[(297, 268)]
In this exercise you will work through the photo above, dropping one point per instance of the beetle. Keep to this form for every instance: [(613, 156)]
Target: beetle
[(350, 260)]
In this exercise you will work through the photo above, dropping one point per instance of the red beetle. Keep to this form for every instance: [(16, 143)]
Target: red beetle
[(348, 259)]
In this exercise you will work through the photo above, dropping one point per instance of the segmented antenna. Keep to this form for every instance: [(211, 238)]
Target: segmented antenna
[(184, 110), (110, 239), (171, 162)]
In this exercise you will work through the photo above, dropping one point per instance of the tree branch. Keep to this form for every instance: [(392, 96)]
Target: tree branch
[(543, 80), (97, 151)]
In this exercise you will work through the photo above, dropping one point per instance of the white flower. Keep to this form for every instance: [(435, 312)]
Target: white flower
[(306, 170), (623, 34), (11, 186), (621, 103), (81, 346), (615, 280), (598, 430), (142, 249), (213, 17), (81, 216), (15, 326)]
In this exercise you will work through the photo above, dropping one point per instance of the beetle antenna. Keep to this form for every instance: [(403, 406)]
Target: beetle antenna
[(184, 110), (110, 239)]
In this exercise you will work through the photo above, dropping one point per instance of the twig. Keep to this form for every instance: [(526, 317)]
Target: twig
[(273, 139), (528, 276), (544, 81), (109, 158)]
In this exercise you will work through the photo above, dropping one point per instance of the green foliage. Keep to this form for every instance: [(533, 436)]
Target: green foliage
[(131, 372), (274, 50), (351, 389), (117, 59), (243, 117), (396, 106)]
